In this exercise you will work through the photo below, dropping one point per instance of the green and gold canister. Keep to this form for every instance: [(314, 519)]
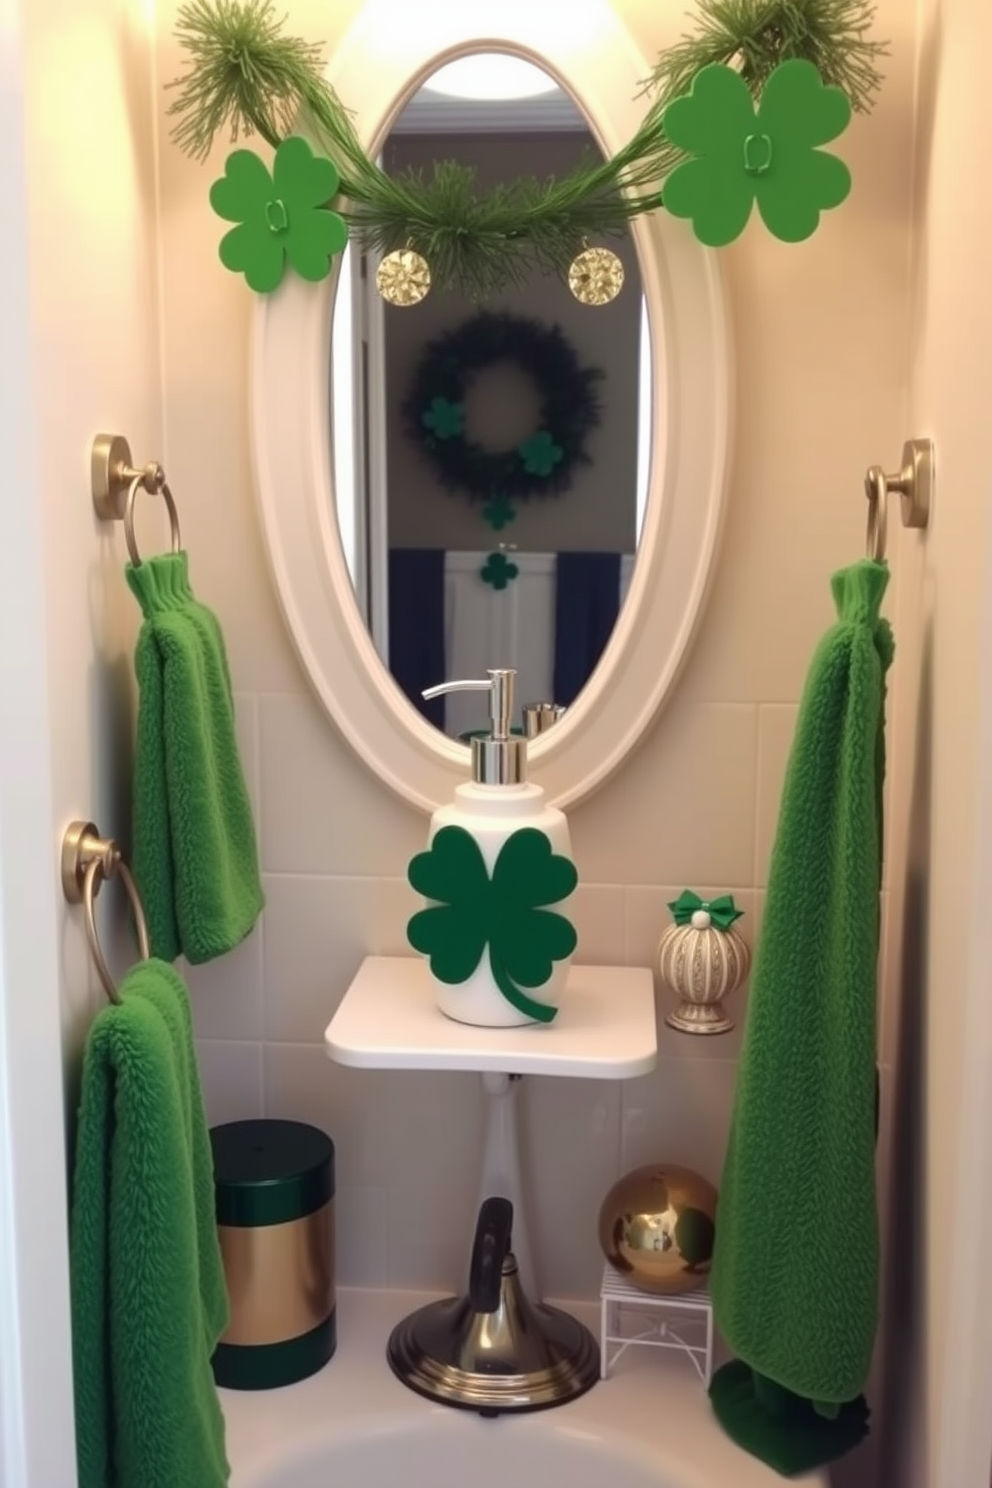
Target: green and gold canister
[(274, 1184)]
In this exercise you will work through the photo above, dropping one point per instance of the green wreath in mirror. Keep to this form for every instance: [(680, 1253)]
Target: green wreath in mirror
[(544, 462)]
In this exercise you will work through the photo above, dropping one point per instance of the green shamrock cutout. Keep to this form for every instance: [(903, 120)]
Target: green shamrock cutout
[(540, 454), (445, 418), (282, 217), (767, 155), (499, 512), (498, 571), (506, 912)]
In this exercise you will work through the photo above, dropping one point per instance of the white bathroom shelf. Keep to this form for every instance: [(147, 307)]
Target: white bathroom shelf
[(388, 1019)]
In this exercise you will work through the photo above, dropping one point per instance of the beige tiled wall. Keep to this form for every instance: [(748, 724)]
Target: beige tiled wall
[(694, 806), (408, 1144)]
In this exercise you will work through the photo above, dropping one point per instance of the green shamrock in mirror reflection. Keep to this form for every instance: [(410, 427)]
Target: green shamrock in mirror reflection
[(506, 912), (498, 571), (767, 155), (540, 454), (444, 418), (282, 218), (499, 512)]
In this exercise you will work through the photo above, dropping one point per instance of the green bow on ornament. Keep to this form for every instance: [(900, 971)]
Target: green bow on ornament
[(504, 912), (282, 217), (722, 912), (767, 154)]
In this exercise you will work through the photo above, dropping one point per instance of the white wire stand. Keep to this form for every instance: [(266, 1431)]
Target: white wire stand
[(629, 1316)]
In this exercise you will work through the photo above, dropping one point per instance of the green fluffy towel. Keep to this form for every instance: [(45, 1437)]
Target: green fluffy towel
[(194, 854), (148, 1294), (795, 1265)]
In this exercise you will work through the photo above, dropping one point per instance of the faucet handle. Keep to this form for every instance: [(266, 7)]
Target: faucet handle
[(538, 717), (492, 1243)]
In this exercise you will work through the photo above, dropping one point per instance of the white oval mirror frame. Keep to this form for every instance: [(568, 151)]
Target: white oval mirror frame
[(381, 60)]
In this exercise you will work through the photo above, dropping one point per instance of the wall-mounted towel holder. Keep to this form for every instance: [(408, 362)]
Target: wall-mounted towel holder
[(87, 860), (914, 483), (115, 481)]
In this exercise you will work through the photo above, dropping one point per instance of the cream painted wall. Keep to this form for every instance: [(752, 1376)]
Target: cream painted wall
[(80, 353), (940, 1384), (817, 402), (93, 297)]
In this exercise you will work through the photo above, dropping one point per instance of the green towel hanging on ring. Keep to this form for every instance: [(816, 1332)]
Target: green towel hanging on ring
[(194, 855), (149, 1298), (795, 1266)]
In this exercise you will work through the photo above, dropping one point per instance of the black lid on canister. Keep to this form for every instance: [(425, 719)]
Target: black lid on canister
[(268, 1171)]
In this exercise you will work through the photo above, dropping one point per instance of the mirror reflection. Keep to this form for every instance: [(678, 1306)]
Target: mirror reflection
[(491, 460)]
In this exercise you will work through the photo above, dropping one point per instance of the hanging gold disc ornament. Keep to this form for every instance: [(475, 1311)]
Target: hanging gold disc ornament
[(595, 276), (403, 277)]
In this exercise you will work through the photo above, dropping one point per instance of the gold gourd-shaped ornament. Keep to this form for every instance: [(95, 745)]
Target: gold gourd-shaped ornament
[(595, 276), (403, 277), (703, 959)]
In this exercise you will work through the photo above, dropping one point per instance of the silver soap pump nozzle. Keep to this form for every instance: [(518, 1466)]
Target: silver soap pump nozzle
[(499, 758)]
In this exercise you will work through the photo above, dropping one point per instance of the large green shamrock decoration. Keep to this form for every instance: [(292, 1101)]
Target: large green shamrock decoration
[(506, 912), (282, 217), (444, 418), (498, 571), (540, 454), (769, 154)]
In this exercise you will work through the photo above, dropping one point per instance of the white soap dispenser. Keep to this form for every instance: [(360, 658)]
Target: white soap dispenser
[(497, 868)]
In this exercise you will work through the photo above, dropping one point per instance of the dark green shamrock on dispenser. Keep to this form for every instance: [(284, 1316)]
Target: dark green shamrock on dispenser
[(506, 913)]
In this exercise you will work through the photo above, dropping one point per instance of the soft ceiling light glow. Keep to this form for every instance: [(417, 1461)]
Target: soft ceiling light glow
[(491, 75)]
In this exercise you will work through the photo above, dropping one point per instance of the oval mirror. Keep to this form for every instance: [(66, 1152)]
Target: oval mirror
[(529, 481)]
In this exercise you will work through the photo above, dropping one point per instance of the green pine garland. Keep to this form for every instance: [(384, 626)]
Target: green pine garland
[(245, 76)]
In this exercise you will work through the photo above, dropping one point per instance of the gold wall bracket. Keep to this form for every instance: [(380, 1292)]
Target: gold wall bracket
[(86, 860), (81, 846), (914, 484), (115, 479), (112, 470)]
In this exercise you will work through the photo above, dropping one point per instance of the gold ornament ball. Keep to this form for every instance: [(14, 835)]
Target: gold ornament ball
[(656, 1228), (403, 277), (595, 276)]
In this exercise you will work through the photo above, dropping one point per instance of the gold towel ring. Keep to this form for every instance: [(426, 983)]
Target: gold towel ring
[(114, 482), (876, 489), (87, 861), (152, 478), (913, 482)]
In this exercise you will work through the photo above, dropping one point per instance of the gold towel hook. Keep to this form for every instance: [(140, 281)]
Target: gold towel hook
[(115, 483), (88, 859), (914, 482)]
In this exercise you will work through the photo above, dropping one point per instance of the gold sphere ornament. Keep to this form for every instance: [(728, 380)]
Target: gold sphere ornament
[(656, 1227), (595, 276), (703, 959), (403, 277)]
